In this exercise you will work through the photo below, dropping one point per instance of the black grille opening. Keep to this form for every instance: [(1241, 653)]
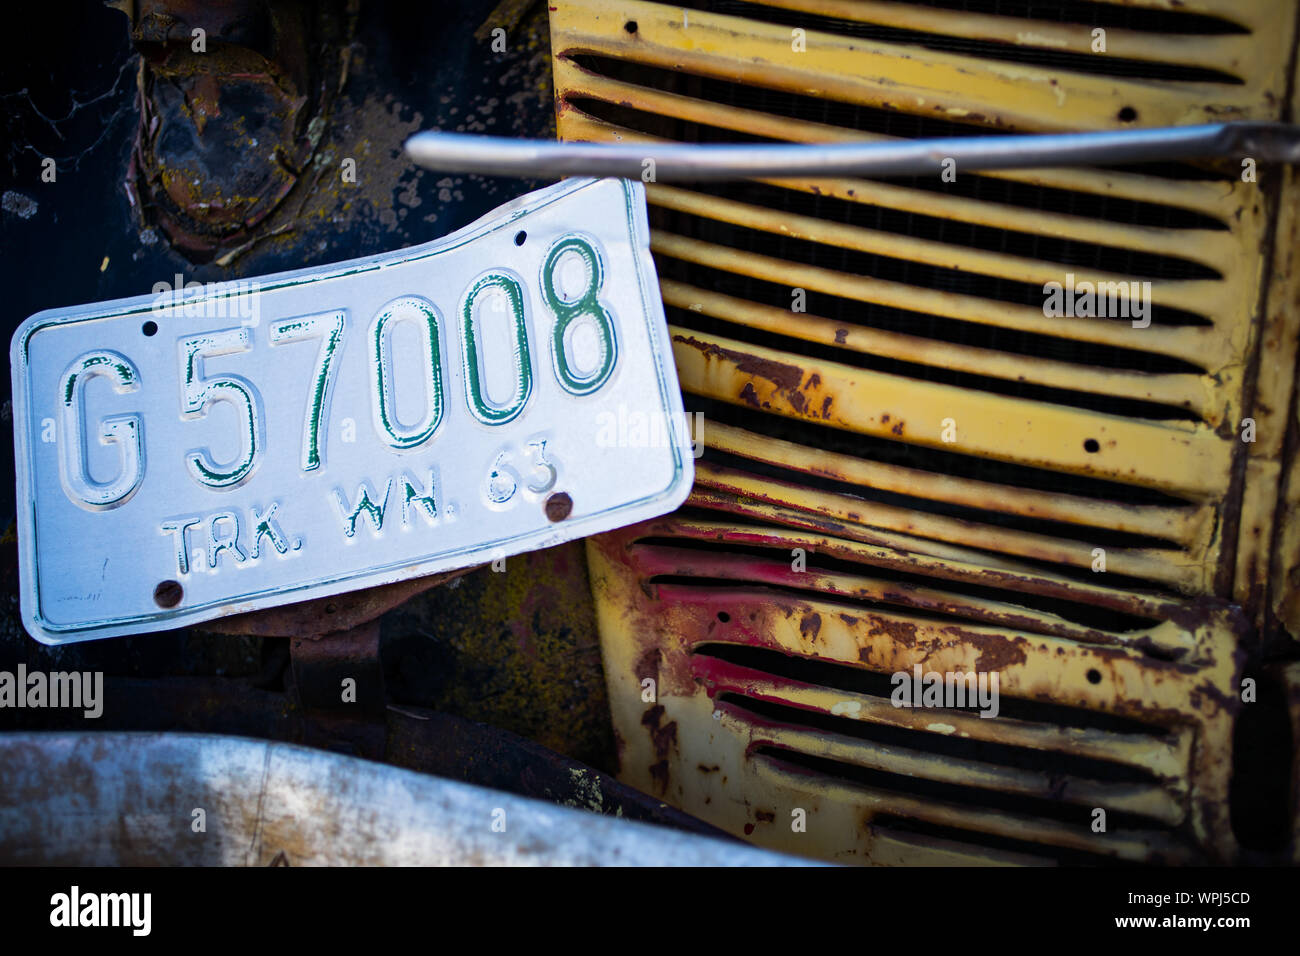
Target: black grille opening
[(1077, 61), (830, 112), (1067, 252), (888, 823), (1078, 613), (1068, 814), (1263, 757), (812, 434), (872, 265), (1099, 13), (852, 312), (859, 680), (1086, 534), (1094, 401), (729, 507), (1058, 764)]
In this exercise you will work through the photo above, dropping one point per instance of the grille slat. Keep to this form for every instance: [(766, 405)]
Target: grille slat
[(1186, 342), (1184, 525), (1148, 564), (1190, 460), (1222, 49), (975, 571), (1164, 757), (952, 596), (1179, 294), (1181, 391), (1131, 845), (1147, 800)]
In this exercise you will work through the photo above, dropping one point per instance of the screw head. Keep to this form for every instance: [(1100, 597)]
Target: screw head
[(559, 506), (168, 593)]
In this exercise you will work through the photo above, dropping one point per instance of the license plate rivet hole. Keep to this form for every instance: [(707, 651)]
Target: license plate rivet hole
[(521, 237), (558, 506), (168, 593), (150, 328)]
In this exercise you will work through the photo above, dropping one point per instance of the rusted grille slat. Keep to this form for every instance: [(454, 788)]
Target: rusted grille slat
[(1226, 51), (1183, 525), (1192, 460), (1147, 800), (1132, 845), (1147, 564), (1183, 391), (1165, 757), (1186, 343), (1028, 581), (864, 591), (892, 75)]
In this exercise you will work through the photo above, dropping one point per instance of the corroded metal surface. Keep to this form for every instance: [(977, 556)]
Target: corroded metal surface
[(121, 800), (327, 615), (908, 460), (233, 102), (513, 645), (1028, 779)]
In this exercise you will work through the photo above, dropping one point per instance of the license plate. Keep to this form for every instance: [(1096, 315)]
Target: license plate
[(184, 456)]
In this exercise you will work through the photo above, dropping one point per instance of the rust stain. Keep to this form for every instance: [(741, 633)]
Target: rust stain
[(783, 375), (904, 632), (663, 737)]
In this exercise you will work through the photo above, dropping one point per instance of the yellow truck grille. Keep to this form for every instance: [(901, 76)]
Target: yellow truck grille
[(909, 461)]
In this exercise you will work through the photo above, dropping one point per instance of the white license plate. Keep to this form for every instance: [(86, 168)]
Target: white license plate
[(184, 458)]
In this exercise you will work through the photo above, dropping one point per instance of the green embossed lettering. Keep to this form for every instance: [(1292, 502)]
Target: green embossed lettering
[(328, 327), (479, 405), (585, 305), (125, 431), (197, 393), (381, 369)]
